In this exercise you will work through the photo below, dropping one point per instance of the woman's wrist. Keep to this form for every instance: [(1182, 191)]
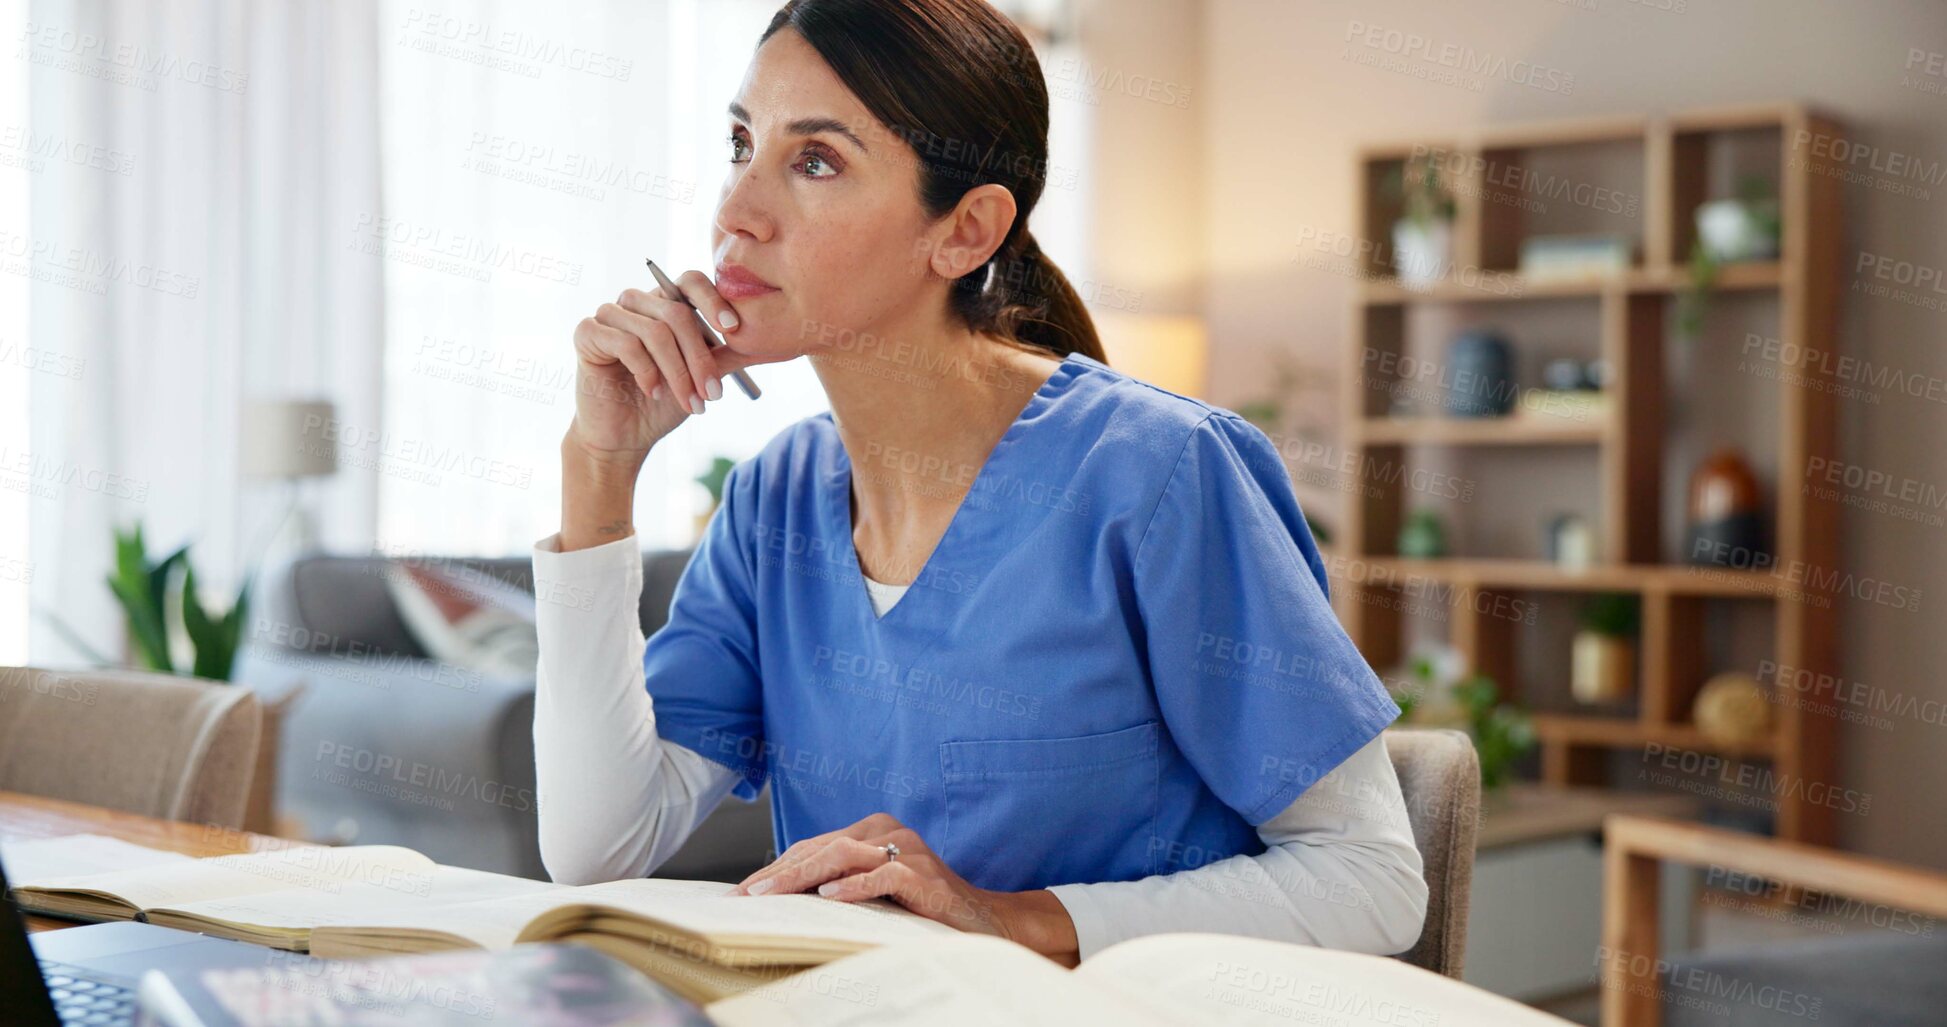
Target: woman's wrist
[(1038, 920), (597, 494)]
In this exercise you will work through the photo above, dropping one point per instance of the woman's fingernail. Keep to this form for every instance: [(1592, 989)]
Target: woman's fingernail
[(828, 889), (696, 404), (728, 319), (762, 886), (714, 387)]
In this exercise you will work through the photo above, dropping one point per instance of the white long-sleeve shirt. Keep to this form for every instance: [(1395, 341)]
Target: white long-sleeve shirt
[(1339, 870)]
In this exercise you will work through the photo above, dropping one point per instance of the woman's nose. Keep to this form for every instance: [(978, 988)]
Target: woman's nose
[(744, 209)]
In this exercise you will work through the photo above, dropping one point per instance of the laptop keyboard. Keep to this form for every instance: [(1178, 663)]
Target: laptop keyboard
[(79, 1000)]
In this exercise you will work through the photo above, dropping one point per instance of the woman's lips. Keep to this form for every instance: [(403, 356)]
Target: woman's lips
[(736, 283)]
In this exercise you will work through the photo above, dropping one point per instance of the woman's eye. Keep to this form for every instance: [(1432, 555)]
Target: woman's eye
[(736, 152), (814, 165)]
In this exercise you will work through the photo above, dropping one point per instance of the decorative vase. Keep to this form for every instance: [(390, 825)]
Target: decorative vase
[(1604, 668), (1571, 542), (1726, 514), (1422, 250), (1480, 375)]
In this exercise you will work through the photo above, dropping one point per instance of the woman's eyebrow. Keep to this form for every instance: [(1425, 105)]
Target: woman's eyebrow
[(807, 126)]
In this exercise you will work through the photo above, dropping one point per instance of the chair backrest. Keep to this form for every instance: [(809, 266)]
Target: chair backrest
[(156, 744), (1440, 778)]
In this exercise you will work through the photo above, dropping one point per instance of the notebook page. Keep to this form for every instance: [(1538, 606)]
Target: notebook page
[(28, 860), (1241, 980), (489, 923), (968, 980), (357, 902)]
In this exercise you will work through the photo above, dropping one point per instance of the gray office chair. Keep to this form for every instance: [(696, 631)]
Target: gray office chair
[(155, 744), (1440, 778)]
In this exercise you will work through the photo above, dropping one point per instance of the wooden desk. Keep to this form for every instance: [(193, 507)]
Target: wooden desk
[(32, 816)]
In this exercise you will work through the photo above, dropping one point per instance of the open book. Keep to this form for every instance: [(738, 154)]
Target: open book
[(1165, 979), (384, 900), (275, 897)]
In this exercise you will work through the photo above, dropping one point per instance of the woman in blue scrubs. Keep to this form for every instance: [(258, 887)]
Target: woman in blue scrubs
[(1112, 658)]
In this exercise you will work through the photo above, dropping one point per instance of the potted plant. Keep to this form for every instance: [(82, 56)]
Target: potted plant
[(1423, 236), (142, 587), (1440, 693), (1743, 228), (1603, 655), (1728, 231), (1423, 536)]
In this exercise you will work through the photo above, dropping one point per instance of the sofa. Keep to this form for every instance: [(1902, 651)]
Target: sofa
[(382, 745)]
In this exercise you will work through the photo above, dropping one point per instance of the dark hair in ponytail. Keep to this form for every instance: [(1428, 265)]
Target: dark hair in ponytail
[(959, 84)]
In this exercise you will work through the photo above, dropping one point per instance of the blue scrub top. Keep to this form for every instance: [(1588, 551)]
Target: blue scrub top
[(1118, 660)]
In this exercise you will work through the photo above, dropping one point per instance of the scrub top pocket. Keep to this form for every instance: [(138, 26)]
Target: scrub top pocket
[(1092, 799)]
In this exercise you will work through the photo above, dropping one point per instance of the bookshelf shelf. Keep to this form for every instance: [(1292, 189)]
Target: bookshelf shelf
[(1512, 287), (1663, 164), (1583, 731), (1484, 431), (1542, 576)]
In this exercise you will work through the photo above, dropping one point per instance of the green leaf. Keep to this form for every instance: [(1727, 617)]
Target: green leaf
[(1695, 296), (141, 588), (215, 640), (1615, 614)]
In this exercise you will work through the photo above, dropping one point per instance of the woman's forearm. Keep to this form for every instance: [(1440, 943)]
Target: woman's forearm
[(615, 799), (1340, 870)]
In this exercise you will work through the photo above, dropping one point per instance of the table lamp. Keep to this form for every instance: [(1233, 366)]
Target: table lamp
[(284, 439), (1168, 352)]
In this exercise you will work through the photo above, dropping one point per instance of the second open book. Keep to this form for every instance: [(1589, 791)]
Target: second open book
[(1183, 980)]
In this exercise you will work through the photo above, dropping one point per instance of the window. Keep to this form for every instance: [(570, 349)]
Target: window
[(533, 156)]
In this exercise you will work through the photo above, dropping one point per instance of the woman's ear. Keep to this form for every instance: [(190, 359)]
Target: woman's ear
[(973, 230)]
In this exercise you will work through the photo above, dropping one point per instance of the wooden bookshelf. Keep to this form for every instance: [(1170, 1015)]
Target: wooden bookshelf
[(1625, 437)]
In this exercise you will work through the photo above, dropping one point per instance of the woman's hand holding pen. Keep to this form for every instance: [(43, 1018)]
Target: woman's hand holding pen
[(644, 366), (851, 864)]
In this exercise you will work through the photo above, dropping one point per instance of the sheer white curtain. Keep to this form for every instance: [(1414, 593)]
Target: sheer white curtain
[(178, 194), (399, 206), (534, 155)]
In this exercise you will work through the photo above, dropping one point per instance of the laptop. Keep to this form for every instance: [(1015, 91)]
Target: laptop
[(88, 975)]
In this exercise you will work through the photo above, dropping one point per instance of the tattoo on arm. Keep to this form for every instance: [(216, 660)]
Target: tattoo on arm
[(613, 528)]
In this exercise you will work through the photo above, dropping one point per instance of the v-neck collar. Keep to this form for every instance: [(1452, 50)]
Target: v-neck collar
[(838, 500)]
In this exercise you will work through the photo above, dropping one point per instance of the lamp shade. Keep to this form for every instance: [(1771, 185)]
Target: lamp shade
[(288, 439), (1170, 353)]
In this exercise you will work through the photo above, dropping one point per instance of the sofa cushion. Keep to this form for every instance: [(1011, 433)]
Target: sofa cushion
[(345, 599)]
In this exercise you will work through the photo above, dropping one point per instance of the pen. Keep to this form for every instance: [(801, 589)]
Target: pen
[(710, 337)]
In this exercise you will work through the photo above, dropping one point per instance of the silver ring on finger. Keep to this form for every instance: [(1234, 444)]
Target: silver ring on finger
[(892, 852)]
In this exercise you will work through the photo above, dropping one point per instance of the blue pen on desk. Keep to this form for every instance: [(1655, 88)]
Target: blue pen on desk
[(710, 337)]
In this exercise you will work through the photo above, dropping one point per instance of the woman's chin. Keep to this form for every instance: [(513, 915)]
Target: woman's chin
[(762, 341)]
